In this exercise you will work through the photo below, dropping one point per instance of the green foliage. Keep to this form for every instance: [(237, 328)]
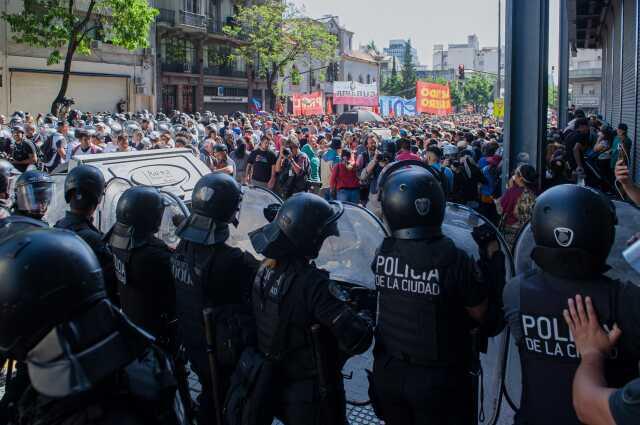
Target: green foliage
[(408, 75), (552, 91), (276, 34), (57, 24), (478, 90), (296, 77), (393, 85)]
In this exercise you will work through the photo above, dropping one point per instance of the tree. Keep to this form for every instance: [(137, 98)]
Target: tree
[(393, 85), (275, 34), (372, 48), (478, 90), (74, 24), (408, 74)]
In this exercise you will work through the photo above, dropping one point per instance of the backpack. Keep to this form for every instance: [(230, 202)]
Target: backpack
[(48, 149)]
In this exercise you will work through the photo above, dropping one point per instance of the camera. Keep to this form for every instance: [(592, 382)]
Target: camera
[(286, 152)]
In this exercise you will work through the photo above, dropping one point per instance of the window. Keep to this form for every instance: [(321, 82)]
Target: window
[(368, 78), (176, 50), (349, 77), (192, 6)]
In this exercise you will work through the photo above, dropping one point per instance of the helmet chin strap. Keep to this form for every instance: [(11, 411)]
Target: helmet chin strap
[(421, 232)]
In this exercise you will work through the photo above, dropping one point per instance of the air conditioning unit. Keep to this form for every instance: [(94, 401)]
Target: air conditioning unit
[(95, 44), (149, 51), (141, 90), (186, 68), (138, 81)]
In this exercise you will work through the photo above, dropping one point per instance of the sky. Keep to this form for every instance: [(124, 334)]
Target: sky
[(425, 22)]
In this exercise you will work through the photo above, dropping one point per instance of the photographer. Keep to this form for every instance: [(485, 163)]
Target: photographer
[(366, 156), (292, 168)]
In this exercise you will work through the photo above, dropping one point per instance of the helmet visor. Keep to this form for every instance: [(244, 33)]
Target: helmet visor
[(34, 197)]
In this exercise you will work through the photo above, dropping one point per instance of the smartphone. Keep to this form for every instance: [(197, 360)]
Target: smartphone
[(623, 154)]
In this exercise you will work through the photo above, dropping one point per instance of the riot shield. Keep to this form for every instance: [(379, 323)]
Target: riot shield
[(58, 206), (348, 257), (174, 212), (251, 217), (458, 225), (105, 217)]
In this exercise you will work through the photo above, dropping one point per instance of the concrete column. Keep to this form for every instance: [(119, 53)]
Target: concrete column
[(179, 105), (563, 64), (526, 83)]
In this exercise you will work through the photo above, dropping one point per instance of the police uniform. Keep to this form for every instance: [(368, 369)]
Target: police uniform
[(23, 151), (220, 277), (423, 346), (145, 284), (84, 228), (534, 303)]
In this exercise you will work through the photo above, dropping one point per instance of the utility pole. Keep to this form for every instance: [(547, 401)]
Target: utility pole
[(499, 85)]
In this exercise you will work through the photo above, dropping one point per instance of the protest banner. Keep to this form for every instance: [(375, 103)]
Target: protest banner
[(498, 108), (433, 98), (355, 94), (397, 106), (307, 103)]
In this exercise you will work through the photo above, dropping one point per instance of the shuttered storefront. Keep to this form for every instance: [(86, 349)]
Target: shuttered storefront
[(617, 62)]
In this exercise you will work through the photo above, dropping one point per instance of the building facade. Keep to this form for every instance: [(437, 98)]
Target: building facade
[(197, 65), (469, 54), (98, 82), (398, 48), (585, 79)]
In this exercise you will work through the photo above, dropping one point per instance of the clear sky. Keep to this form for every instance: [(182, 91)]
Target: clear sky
[(426, 22)]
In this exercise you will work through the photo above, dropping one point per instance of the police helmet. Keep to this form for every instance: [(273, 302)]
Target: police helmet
[(138, 214), (215, 204), (84, 187), (571, 217), (48, 276), (34, 190), (413, 201), (7, 168), (300, 228)]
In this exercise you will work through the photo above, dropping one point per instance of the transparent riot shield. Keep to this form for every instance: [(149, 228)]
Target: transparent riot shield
[(58, 206), (458, 225), (254, 201), (105, 217), (348, 257), (174, 212)]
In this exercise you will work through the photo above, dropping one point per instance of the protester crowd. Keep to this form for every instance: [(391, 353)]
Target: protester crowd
[(343, 162)]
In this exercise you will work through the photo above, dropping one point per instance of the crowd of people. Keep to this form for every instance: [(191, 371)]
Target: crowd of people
[(277, 332)]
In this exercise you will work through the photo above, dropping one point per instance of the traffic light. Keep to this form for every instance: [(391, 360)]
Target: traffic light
[(460, 72)]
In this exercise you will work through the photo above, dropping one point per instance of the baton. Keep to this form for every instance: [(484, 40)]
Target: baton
[(209, 331)]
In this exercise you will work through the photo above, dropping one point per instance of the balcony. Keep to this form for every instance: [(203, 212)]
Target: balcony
[(214, 26), (585, 101), (587, 73), (183, 68), (190, 19), (166, 16), (224, 71)]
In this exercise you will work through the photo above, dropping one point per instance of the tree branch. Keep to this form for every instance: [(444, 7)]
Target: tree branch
[(78, 28)]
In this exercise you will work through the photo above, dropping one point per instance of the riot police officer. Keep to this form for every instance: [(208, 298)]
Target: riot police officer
[(87, 363), (431, 295), (34, 191), (209, 273), (7, 174), (290, 295), (83, 190), (574, 230), (142, 262)]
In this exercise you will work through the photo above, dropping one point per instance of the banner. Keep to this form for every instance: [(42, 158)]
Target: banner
[(498, 108), (433, 99), (397, 106), (307, 104), (355, 94)]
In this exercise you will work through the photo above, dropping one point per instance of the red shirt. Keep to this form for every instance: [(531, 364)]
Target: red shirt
[(343, 178), (404, 156)]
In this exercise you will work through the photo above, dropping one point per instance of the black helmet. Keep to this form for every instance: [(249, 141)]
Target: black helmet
[(413, 202), (14, 224), (139, 214), (83, 187), (34, 190), (570, 217), (48, 275), (215, 203), (302, 224)]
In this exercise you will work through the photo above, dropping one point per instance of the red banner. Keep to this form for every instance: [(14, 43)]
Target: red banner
[(307, 104), (433, 99)]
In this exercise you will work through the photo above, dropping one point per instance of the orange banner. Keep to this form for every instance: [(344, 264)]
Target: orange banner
[(433, 99), (307, 104)]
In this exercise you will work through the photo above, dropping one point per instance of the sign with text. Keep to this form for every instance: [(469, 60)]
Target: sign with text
[(397, 106), (307, 104), (433, 99), (498, 108), (355, 94)]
